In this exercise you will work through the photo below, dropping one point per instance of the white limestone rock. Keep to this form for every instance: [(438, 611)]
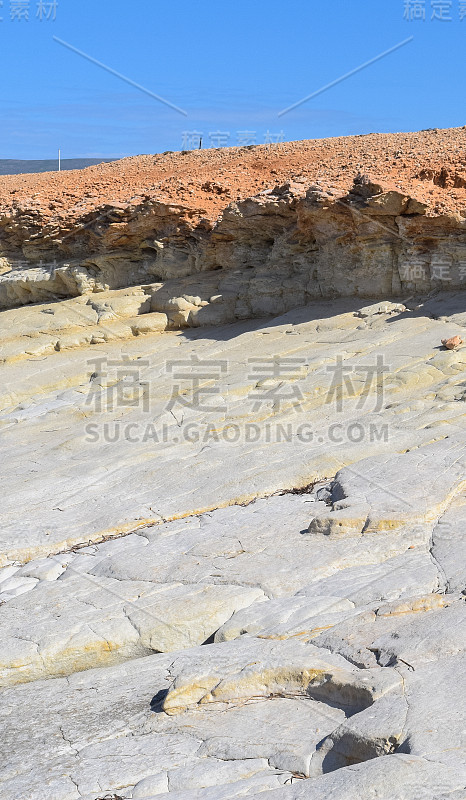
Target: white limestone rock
[(294, 616), (6, 573), (67, 627), (252, 668), (397, 777), (424, 638), (15, 586), (449, 545), (356, 639), (387, 494), (46, 569), (410, 573), (337, 668), (121, 479)]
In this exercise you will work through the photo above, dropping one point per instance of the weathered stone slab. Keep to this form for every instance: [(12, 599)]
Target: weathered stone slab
[(67, 627), (122, 480), (337, 612), (400, 490), (250, 668)]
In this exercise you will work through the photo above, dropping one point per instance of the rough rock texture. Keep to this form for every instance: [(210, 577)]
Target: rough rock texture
[(233, 520), (286, 224)]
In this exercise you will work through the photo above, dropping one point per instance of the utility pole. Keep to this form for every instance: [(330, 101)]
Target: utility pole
[(59, 160)]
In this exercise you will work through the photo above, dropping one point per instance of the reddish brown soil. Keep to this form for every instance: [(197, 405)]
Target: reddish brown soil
[(429, 165)]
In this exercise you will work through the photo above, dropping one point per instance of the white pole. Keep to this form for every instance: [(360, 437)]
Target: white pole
[(59, 160)]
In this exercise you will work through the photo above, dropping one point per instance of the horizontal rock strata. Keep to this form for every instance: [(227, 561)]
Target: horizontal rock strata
[(273, 252)]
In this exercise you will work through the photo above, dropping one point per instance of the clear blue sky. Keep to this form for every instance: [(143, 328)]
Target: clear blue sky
[(231, 65)]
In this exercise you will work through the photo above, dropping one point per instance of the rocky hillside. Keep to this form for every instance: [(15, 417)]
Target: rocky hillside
[(263, 230), (233, 523)]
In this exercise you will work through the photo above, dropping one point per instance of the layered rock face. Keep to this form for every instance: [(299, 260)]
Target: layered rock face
[(233, 512), (273, 252)]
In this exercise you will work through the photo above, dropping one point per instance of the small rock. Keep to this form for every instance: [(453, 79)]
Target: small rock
[(453, 343), (324, 494)]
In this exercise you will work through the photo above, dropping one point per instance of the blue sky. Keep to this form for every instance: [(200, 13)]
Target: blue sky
[(232, 66)]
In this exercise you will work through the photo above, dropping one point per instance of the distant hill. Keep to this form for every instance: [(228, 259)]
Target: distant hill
[(14, 167)]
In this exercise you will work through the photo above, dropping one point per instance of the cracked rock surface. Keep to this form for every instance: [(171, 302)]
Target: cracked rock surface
[(233, 519)]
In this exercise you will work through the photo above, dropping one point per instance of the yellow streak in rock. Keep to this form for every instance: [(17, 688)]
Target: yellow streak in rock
[(276, 682)]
